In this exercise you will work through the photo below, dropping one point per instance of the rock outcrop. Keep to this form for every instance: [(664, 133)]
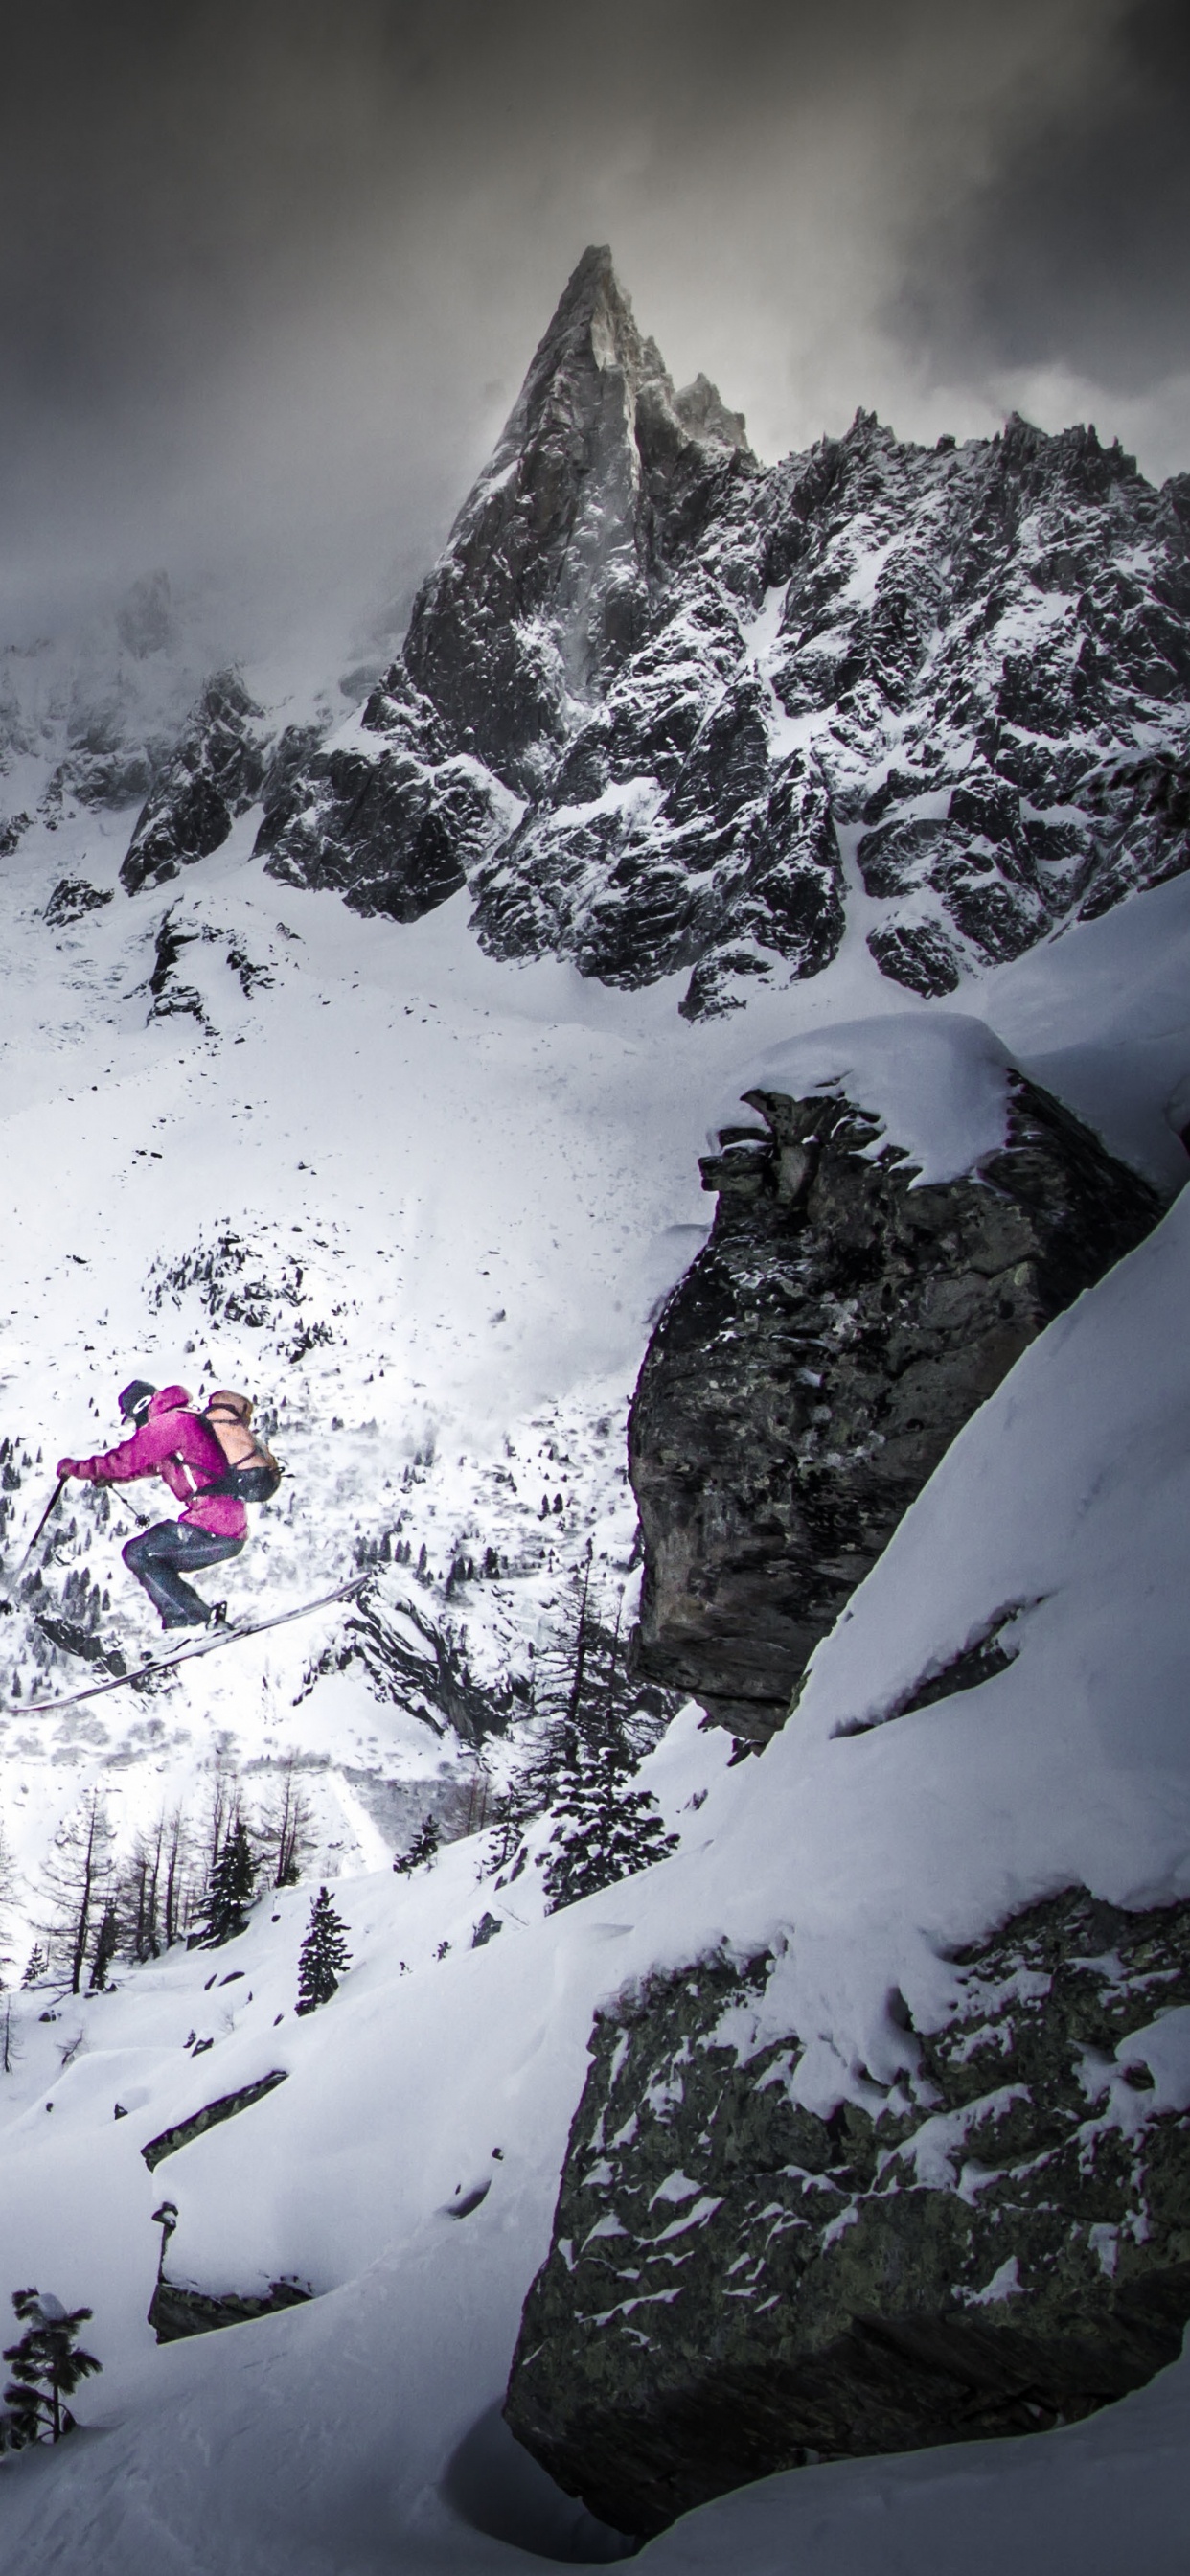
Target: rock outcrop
[(177, 2311), (806, 1376), (214, 773), (996, 2243), (656, 699), (211, 2116), (603, 475), (391, 819)]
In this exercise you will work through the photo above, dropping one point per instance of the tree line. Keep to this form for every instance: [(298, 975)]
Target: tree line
[(184, 1878)]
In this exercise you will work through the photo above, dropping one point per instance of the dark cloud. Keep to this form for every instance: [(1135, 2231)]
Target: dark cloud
[(270, 270), (1076, 248)]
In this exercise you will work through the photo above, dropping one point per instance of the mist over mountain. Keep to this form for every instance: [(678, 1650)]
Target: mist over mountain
[(269, 279)]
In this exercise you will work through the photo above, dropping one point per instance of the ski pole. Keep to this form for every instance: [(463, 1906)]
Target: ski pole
[(18, 1570)]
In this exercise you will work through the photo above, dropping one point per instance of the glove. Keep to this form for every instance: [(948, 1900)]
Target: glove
[(66, 1467)]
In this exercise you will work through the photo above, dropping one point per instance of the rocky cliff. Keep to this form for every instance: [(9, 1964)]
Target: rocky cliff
[(662, 707), (995, 2243), (822, 1352)]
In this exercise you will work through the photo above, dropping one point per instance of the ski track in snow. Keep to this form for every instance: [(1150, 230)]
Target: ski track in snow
[(487, 1177)]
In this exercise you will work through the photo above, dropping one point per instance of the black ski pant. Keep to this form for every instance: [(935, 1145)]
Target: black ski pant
[(157, 1557)]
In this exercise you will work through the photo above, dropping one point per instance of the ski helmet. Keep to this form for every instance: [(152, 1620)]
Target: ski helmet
[(135, 1399)]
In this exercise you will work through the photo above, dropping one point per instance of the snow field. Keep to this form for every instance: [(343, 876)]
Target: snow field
[(494, 1173)]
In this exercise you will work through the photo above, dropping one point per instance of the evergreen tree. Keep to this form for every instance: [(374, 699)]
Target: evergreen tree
[(38, 1963), (521, 1799), (423, 1851), (221, 1817), (47, 2365), (324, 1955), (603, 1830), (233, 1880)]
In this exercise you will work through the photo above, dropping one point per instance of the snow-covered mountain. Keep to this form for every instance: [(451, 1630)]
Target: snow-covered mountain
[(939, 691), (368, 1064)]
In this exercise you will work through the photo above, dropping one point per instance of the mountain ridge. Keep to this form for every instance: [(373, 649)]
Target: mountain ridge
[(738, 703)]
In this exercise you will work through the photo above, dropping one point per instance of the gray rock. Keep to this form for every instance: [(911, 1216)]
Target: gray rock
[(544, 589), (72, 899), (145, 620), (818, 1358), (211, 2116), (176, 2311), (394, 824), (736, 2285), (214, 773), (959, 652)]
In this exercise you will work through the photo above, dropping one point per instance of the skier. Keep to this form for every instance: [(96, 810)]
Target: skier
[(170, 1440)]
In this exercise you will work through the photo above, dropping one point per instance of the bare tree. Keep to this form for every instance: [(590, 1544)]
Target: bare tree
[(10, 2046), (106, 1941), (8, 1889), (141, 1884), (287, 1828), (177, 1860), (76, 1883)]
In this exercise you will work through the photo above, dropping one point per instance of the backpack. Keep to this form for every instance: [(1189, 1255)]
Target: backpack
[(252, 1474)]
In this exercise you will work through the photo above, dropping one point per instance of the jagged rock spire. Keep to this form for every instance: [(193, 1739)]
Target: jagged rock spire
[(567, 524)]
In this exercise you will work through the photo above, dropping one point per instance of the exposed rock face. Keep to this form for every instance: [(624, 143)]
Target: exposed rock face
[(72, 899), (707, 684), (101, 766), (545, 588), (820, 1355), (214, 774), (210, 2117), (175, 2311), (392, 821), (996, 2244)]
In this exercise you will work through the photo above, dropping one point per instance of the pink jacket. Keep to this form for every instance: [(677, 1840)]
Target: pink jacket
[(179, 1446)]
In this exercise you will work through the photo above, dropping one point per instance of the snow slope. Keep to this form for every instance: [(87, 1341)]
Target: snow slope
[(337, 2429), (493, 1170)]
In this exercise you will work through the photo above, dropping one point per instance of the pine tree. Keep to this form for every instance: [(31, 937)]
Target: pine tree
[(233, 1880), (423, 1851), (324, 1955), (521, 1799), (224, 1810), (38, 1963), (47, 2365), (603, 1830)]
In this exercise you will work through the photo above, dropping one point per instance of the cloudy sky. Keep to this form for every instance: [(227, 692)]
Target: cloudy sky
[(271, 270)]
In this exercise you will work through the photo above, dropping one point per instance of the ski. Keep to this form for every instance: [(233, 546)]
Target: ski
[(204, 1645)]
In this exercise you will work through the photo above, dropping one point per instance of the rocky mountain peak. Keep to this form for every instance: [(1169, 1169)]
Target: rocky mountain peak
[(663, 707), (548, 581)]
